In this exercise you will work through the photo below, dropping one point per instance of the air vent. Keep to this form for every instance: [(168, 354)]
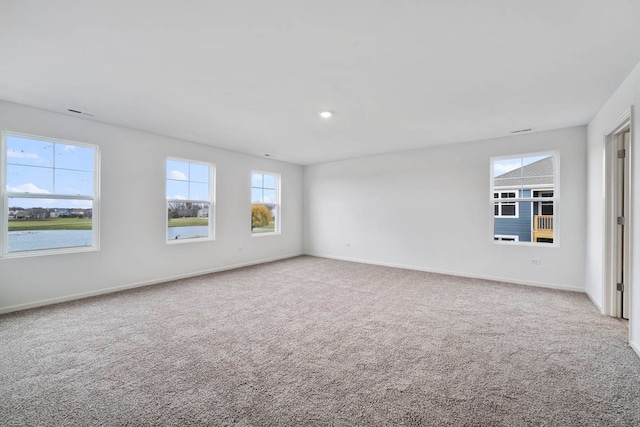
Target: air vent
[(521, 130), (82, 113)]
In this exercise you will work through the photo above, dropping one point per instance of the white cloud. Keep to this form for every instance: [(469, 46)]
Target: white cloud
[(174, 174), (179, 197), (27, 188), (21, 155)]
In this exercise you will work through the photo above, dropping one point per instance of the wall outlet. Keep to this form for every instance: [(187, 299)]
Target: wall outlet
[(535, 261), (348, 244)]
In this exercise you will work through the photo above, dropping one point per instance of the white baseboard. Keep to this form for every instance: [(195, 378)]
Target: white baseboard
[(454, 273), (57, 300), (600, 308), (635, 347)]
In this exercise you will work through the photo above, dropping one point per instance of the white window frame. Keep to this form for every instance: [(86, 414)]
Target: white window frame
[(211, 201), (519, 199), (500, 201), (4, 200), (278, 221), (502, 237)]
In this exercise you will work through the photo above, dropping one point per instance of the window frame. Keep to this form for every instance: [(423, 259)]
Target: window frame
[(510, 200), (212, 202), (555, 154), (5, 195), (278, 220), (506, 238)]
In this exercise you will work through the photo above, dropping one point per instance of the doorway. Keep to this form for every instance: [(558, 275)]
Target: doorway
[(618, 220)]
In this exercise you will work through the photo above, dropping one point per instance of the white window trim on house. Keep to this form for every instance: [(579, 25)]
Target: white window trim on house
[(278, 221), (555, 199), (4, 199), (504, 237), (501, 202), (212, 203)]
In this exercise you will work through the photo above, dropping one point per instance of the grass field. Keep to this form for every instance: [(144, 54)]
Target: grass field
[(50, 224), (188, 222)]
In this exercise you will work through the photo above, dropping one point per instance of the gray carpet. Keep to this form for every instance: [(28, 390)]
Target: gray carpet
[(310, 341)]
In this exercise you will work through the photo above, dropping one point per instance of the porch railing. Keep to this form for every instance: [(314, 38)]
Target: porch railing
[(542, 227)]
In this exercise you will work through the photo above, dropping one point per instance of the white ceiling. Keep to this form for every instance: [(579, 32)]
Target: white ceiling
[(252, 75)]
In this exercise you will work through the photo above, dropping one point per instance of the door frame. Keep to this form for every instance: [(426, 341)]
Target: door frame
[(612, 138)]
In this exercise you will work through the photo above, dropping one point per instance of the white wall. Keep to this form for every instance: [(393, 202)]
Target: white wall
[(429, 209), (133, 215), (626, 96)]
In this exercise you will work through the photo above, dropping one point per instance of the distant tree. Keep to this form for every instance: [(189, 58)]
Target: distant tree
[(261, 216)]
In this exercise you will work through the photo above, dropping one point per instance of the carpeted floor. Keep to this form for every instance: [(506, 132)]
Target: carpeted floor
[(310, 341)]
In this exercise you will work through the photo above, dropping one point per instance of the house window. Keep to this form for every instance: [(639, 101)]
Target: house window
[(524, 197), (508, 209), (49, 195), (506, 238), (265, 203), (190, 200)]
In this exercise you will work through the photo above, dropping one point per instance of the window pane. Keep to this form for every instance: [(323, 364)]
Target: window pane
[(508, 209), (29, 179), (177, 190), (198, 173), (177, 170), (187, 220), (524, 177), (25, 151), (262, 219), (546, 208), (256, 195), (198, 191), (522, 172), (269, 196), (73, 182), (37, 224), (256, 179), (528, 226), (269, 181), (74, 157)]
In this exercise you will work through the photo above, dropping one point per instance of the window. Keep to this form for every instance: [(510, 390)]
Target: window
[(190, 200), (49, 195), (506, 238), (265, 203), (524, 193), (509, 209)]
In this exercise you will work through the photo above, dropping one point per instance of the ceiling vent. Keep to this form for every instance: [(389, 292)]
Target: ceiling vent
[(521, 130), (82, 113)]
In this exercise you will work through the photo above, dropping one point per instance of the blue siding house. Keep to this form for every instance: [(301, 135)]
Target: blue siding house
[(523, 203)]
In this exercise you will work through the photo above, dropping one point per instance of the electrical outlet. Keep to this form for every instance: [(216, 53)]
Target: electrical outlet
[(536, 261), (348, 244)]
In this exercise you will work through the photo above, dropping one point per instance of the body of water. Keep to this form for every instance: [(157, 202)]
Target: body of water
[(48, 239), (190, 232)]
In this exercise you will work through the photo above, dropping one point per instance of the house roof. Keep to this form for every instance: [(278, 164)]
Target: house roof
[(536, 173)]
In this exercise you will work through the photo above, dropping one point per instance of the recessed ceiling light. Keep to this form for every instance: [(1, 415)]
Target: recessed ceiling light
[(326, 114)]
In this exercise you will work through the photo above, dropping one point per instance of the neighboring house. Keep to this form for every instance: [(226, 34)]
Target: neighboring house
[(37, 213), (530, 221)]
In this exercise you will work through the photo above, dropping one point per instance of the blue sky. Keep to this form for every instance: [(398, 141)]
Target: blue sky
[(44, 167), (263, 188), (187, 181)]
